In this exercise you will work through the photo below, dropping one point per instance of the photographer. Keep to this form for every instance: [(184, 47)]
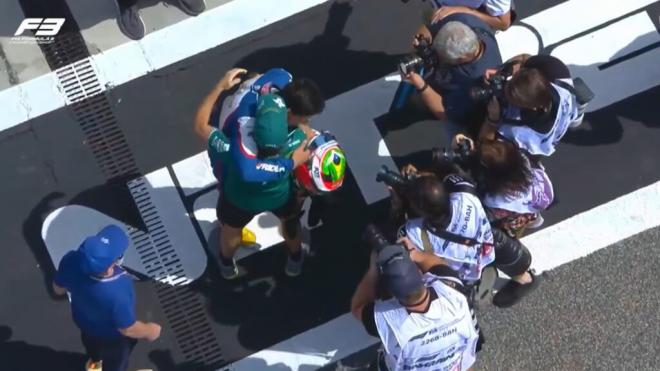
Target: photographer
[(424, 326), (499, 14), (246, 154), (537, 106), (513, 189), (451, 222), (464, 48)]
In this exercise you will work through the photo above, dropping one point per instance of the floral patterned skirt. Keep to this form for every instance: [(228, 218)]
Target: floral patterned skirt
[(514, 224)]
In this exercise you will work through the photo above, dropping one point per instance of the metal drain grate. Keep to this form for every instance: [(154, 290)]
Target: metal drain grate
[(91, 107), (184, 309)]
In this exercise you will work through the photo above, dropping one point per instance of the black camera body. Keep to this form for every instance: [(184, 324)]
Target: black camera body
[(375, 238), (495, 85), (494, 88), (398, 182), (424, 58), (457, 157)]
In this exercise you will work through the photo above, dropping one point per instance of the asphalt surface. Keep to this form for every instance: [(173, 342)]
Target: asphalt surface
[(599, 312), (46, 164), (596, 313)]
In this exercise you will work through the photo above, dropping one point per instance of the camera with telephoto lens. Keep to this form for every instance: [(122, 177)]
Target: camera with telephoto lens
[(375, 238), (398, 182), (424, 57), (458, 156), (494, 86)]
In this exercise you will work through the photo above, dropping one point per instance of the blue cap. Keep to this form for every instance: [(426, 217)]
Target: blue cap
[(99, 252), (400, 274)]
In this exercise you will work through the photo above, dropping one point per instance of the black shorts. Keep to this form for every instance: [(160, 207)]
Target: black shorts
[(235, 217)]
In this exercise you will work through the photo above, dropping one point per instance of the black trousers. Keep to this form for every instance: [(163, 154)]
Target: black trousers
[(114, 352), (126, 3), (511, 256)]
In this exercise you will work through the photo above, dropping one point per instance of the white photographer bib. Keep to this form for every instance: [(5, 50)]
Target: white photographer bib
[(443, 338)]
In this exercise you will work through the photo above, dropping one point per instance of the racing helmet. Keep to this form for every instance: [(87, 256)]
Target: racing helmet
[(325, 170)]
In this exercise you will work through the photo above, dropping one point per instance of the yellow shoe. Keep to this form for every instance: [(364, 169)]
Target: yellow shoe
[(93, 366), (248, 237)]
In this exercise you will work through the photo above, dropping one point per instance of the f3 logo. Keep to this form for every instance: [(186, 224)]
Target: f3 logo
[(43, 26)]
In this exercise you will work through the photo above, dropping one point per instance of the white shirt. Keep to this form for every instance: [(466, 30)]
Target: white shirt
[(544, 144), (468, 219), (495, 8), (443, 338), (536, 198)]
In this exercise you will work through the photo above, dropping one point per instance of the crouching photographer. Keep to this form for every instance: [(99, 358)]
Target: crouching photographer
[(447, 218), (451, 57), (532, 102), (424, 325), (513, 189)]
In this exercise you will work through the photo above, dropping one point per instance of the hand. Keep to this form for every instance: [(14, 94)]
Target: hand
[(309, 132), (409, 245), (460, 138), (416, 254), (301, 155), (415, 79), (395, 199), (489, 73), (231, 78), (448, 10), (409, 170), (418, 37), (494, 110), (154, 331)]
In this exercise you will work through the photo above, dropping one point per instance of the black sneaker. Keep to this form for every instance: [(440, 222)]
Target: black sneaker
[(192, 7), (513, 292), (130, 22)]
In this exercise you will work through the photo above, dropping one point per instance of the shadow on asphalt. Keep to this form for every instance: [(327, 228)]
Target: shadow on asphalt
[(19, 355)]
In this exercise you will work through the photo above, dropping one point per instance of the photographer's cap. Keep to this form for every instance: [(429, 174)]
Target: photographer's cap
[(400, 274), (102, 250), (271, 127)]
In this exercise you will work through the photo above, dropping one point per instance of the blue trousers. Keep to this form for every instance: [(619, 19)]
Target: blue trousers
[(114, 353)]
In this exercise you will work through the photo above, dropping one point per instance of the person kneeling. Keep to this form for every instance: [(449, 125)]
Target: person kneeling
[(424, 326)]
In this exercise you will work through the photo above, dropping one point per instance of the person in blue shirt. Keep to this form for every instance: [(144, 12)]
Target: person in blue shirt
[(103, 300), (465, 47)]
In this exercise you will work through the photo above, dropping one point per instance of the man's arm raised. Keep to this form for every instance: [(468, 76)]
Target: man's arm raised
[(229, 80)]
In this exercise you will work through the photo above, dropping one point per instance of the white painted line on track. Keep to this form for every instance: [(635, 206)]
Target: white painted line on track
[(156, 50), (350, 117), (191, 36), (586, 54), (30, 99), (572, 17), (592, 230), (318, 347), (556, 245)]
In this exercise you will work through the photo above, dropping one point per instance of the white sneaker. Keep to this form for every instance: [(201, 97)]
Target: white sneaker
[(294, 268), (536, 223)]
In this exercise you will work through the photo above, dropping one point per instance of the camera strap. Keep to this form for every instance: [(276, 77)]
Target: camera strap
[(446, 235), (566, 86)]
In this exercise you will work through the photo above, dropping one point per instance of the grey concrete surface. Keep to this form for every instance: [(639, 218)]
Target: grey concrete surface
[(97, 19), (18, 62)]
